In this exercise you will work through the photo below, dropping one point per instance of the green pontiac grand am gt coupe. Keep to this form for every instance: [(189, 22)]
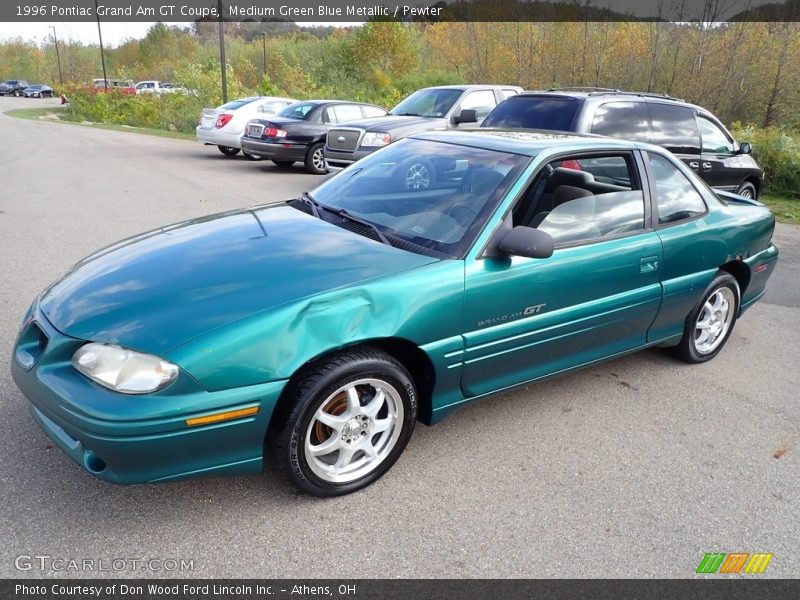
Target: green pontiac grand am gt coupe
[(443, 268)]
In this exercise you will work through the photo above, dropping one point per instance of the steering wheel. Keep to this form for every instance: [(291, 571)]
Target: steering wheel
[(463, 213)]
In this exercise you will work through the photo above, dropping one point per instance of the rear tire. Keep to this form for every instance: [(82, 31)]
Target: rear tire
[(747, 189), (228, 150), (344, 422), (315, 160), (710, 323)]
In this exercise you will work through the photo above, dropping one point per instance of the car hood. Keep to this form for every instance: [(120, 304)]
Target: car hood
[(157, 290), (391, 123)]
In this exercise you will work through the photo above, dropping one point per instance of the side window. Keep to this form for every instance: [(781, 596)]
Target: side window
[(373, 111), (714, 139), (328, 116), (580, 198), (676, 197), (507, 93), (347, 112), (675, 128), (271, 108), (628, 120), (482, 101)]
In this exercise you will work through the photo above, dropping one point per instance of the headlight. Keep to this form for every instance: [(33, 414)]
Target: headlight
[(123, 370), (376, 139)]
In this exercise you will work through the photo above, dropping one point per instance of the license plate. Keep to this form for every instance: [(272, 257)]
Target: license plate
[(207, 122), (255, 130)]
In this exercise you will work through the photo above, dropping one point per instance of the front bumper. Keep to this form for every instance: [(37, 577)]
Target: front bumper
[(338, 160), (129, 439), (216, 137), (275, 151)]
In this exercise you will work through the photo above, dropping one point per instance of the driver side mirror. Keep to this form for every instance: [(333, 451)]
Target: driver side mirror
[(745, 148), (467, 115), (527, 242)]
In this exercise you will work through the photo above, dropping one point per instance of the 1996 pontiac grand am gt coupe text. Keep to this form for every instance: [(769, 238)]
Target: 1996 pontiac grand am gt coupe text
[(314, 333)]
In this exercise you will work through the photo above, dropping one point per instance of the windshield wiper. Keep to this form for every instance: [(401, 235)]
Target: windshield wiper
[(315, 206), (343, 213), (406, 114)]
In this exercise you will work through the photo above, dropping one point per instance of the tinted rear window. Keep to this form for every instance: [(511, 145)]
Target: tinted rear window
[(526, 112), (234, 104), (675, 127)]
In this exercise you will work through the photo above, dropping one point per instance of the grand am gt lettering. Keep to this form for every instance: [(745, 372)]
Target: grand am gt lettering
[(314, 334), (530, 310)]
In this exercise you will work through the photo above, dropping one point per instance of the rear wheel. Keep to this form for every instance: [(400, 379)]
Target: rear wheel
[(228, 150), (747, 189), (283, 163), (345, 423), (315, 160), (711, 321)]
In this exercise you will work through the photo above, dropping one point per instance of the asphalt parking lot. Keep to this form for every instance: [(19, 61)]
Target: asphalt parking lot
[(634, 468)]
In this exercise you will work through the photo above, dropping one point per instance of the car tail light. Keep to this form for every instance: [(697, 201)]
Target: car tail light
[(223, 120), (274, 132)]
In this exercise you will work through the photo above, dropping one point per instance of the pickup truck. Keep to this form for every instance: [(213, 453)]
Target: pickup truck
[(428, 109)]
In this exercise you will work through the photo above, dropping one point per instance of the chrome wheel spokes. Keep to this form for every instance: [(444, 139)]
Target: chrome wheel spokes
[(354, 430), (714, 320)]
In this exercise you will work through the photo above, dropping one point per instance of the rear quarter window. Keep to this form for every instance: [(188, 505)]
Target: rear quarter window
[(675, 128), (527, 112), (626, 120)]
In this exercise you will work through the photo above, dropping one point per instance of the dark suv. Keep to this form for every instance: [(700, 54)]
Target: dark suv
[(13, 87), (688, 131)]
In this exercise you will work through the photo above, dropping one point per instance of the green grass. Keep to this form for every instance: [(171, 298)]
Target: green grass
[(785, 209), (35, 114)]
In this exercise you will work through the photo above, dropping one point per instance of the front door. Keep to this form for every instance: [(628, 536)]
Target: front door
[(595, 297)]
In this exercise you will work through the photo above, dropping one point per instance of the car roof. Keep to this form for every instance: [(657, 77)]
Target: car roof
[(320, 102), (529, 142), (465, 87), (604, 94)]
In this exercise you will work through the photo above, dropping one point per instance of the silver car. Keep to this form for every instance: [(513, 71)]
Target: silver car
[(223, 126)]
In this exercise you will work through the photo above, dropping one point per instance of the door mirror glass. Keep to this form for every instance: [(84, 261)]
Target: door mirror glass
[(527, 242), (467, 115), (745, 148)]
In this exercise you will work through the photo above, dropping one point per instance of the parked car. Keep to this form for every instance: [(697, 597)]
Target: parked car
[(322, 328), (691, 132), (13, 87), (152, 87), (433, 108), (298, 132), (223, 126), (119, 86), (38, 90)]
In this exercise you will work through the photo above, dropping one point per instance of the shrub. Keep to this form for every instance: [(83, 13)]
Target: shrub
[(778, 153)]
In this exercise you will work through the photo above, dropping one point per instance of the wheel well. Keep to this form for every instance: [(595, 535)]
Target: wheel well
[(740, 271), (756, 184), (407, 353)]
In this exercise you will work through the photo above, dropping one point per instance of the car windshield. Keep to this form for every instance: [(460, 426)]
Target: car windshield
[(428, 103), (424, 196), (297, 110), (234, 104), (527, 112)]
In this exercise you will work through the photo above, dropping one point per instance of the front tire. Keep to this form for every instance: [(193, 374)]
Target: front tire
[(228, 150), (344, 423), (710, 323), (315, 160), (747, 189)]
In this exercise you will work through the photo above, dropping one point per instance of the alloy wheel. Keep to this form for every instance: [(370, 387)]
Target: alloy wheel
[(714, 320)]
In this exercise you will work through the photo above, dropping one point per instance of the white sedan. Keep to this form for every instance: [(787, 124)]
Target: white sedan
[(223, 126)]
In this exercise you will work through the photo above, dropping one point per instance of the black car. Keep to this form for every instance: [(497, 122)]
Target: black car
[(691, 132), (13, 87), (298, 132), (428, 109), (38, 90)]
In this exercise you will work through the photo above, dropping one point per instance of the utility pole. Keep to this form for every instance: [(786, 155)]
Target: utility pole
[(264, 39), (58, 56), (102, 52), (222, 63)]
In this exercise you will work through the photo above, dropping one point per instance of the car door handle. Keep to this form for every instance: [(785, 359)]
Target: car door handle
[(648, 264), (706, 166), (694, 165)]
